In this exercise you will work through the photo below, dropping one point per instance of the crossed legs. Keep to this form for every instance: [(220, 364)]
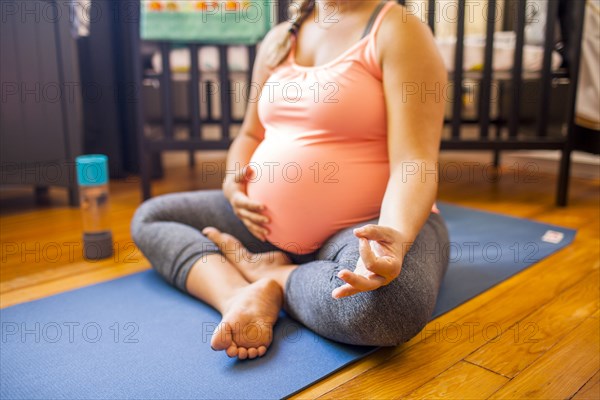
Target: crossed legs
[(197, 244)]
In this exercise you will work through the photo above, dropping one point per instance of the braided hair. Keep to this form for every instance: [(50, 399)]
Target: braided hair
[(282, 48)]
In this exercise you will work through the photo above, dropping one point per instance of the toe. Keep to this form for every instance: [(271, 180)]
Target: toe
[(232, 351), (252, 352), (227, 243), (222, 337), (262, 350), (242, 353), (211, 233)]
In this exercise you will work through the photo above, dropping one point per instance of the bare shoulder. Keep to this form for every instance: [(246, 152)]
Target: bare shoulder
[(402, 33), (400, 24)]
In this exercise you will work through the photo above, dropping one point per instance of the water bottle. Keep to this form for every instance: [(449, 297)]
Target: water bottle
[(92, 176)]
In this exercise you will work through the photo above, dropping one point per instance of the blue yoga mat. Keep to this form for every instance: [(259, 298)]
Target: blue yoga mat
[(137, 337)]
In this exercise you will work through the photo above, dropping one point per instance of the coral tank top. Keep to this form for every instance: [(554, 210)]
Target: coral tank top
[(323, 163)]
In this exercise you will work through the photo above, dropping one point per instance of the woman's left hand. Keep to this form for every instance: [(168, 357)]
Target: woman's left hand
[(380, 262)]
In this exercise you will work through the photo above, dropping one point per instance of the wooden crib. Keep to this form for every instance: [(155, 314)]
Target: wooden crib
[(495, 129)]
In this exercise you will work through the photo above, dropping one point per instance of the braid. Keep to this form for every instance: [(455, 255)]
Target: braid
[(305, 7), (282, 48)]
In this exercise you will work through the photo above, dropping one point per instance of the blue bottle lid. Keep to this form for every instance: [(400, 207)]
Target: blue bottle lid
[(92, 169)]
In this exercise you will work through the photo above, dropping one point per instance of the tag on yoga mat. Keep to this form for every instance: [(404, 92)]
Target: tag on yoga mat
[(138, 337)]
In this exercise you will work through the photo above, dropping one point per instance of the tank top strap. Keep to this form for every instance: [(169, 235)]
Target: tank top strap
[(380, 12), (373, 17), (369, 54)]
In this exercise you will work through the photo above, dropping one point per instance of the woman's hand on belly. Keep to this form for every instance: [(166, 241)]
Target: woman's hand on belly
[(247, 210), (379, 263)]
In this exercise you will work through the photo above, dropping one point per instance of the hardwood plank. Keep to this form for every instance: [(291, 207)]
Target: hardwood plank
[(461, 381), (532, 336), (35, 230), (122, 258), (591, 390), (335, 380), (561, 371), (64, 284), (62, 258)]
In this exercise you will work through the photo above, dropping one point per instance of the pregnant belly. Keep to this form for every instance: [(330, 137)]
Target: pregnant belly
[(311, 192)]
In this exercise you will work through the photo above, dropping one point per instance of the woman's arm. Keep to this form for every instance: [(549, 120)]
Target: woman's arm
[(249, 137), (252, 132), (414, 78)]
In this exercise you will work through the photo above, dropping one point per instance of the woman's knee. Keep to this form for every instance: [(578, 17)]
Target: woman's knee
[(165, 208), (387, 316), (147, 212)]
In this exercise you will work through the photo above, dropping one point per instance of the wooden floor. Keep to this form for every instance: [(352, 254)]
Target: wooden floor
[(536, 335)]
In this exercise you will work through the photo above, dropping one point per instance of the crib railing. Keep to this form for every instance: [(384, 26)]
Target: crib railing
[(541, 140), (195, 122), (149, 146), (507, 128)]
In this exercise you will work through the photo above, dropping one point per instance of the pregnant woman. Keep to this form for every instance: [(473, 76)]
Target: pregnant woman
[(327, 208)]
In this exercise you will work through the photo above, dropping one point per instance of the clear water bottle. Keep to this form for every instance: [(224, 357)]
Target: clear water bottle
[(92, 176)]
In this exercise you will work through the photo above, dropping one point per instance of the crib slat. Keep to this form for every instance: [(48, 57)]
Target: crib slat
[(282, 10), (574, 59), (517, 72), (165, 86), (194, 95), (545, 90), (209, 100), (486, 82), (251, 60), (224, 93), (431, 15), (458, 71), (138, 108)]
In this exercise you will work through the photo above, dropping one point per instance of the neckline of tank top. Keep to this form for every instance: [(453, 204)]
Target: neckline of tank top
[(292, 55)]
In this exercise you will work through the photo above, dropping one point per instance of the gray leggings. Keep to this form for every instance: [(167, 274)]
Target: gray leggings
[(167, 230)]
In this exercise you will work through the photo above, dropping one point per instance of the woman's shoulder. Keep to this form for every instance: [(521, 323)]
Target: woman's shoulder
[(401, 24), (404, 36)]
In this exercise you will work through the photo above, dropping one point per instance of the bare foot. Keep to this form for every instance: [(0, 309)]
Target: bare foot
[(253, 266), (246, 330)]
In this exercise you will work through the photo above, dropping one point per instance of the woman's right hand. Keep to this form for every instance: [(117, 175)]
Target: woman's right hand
[(246, 209)]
